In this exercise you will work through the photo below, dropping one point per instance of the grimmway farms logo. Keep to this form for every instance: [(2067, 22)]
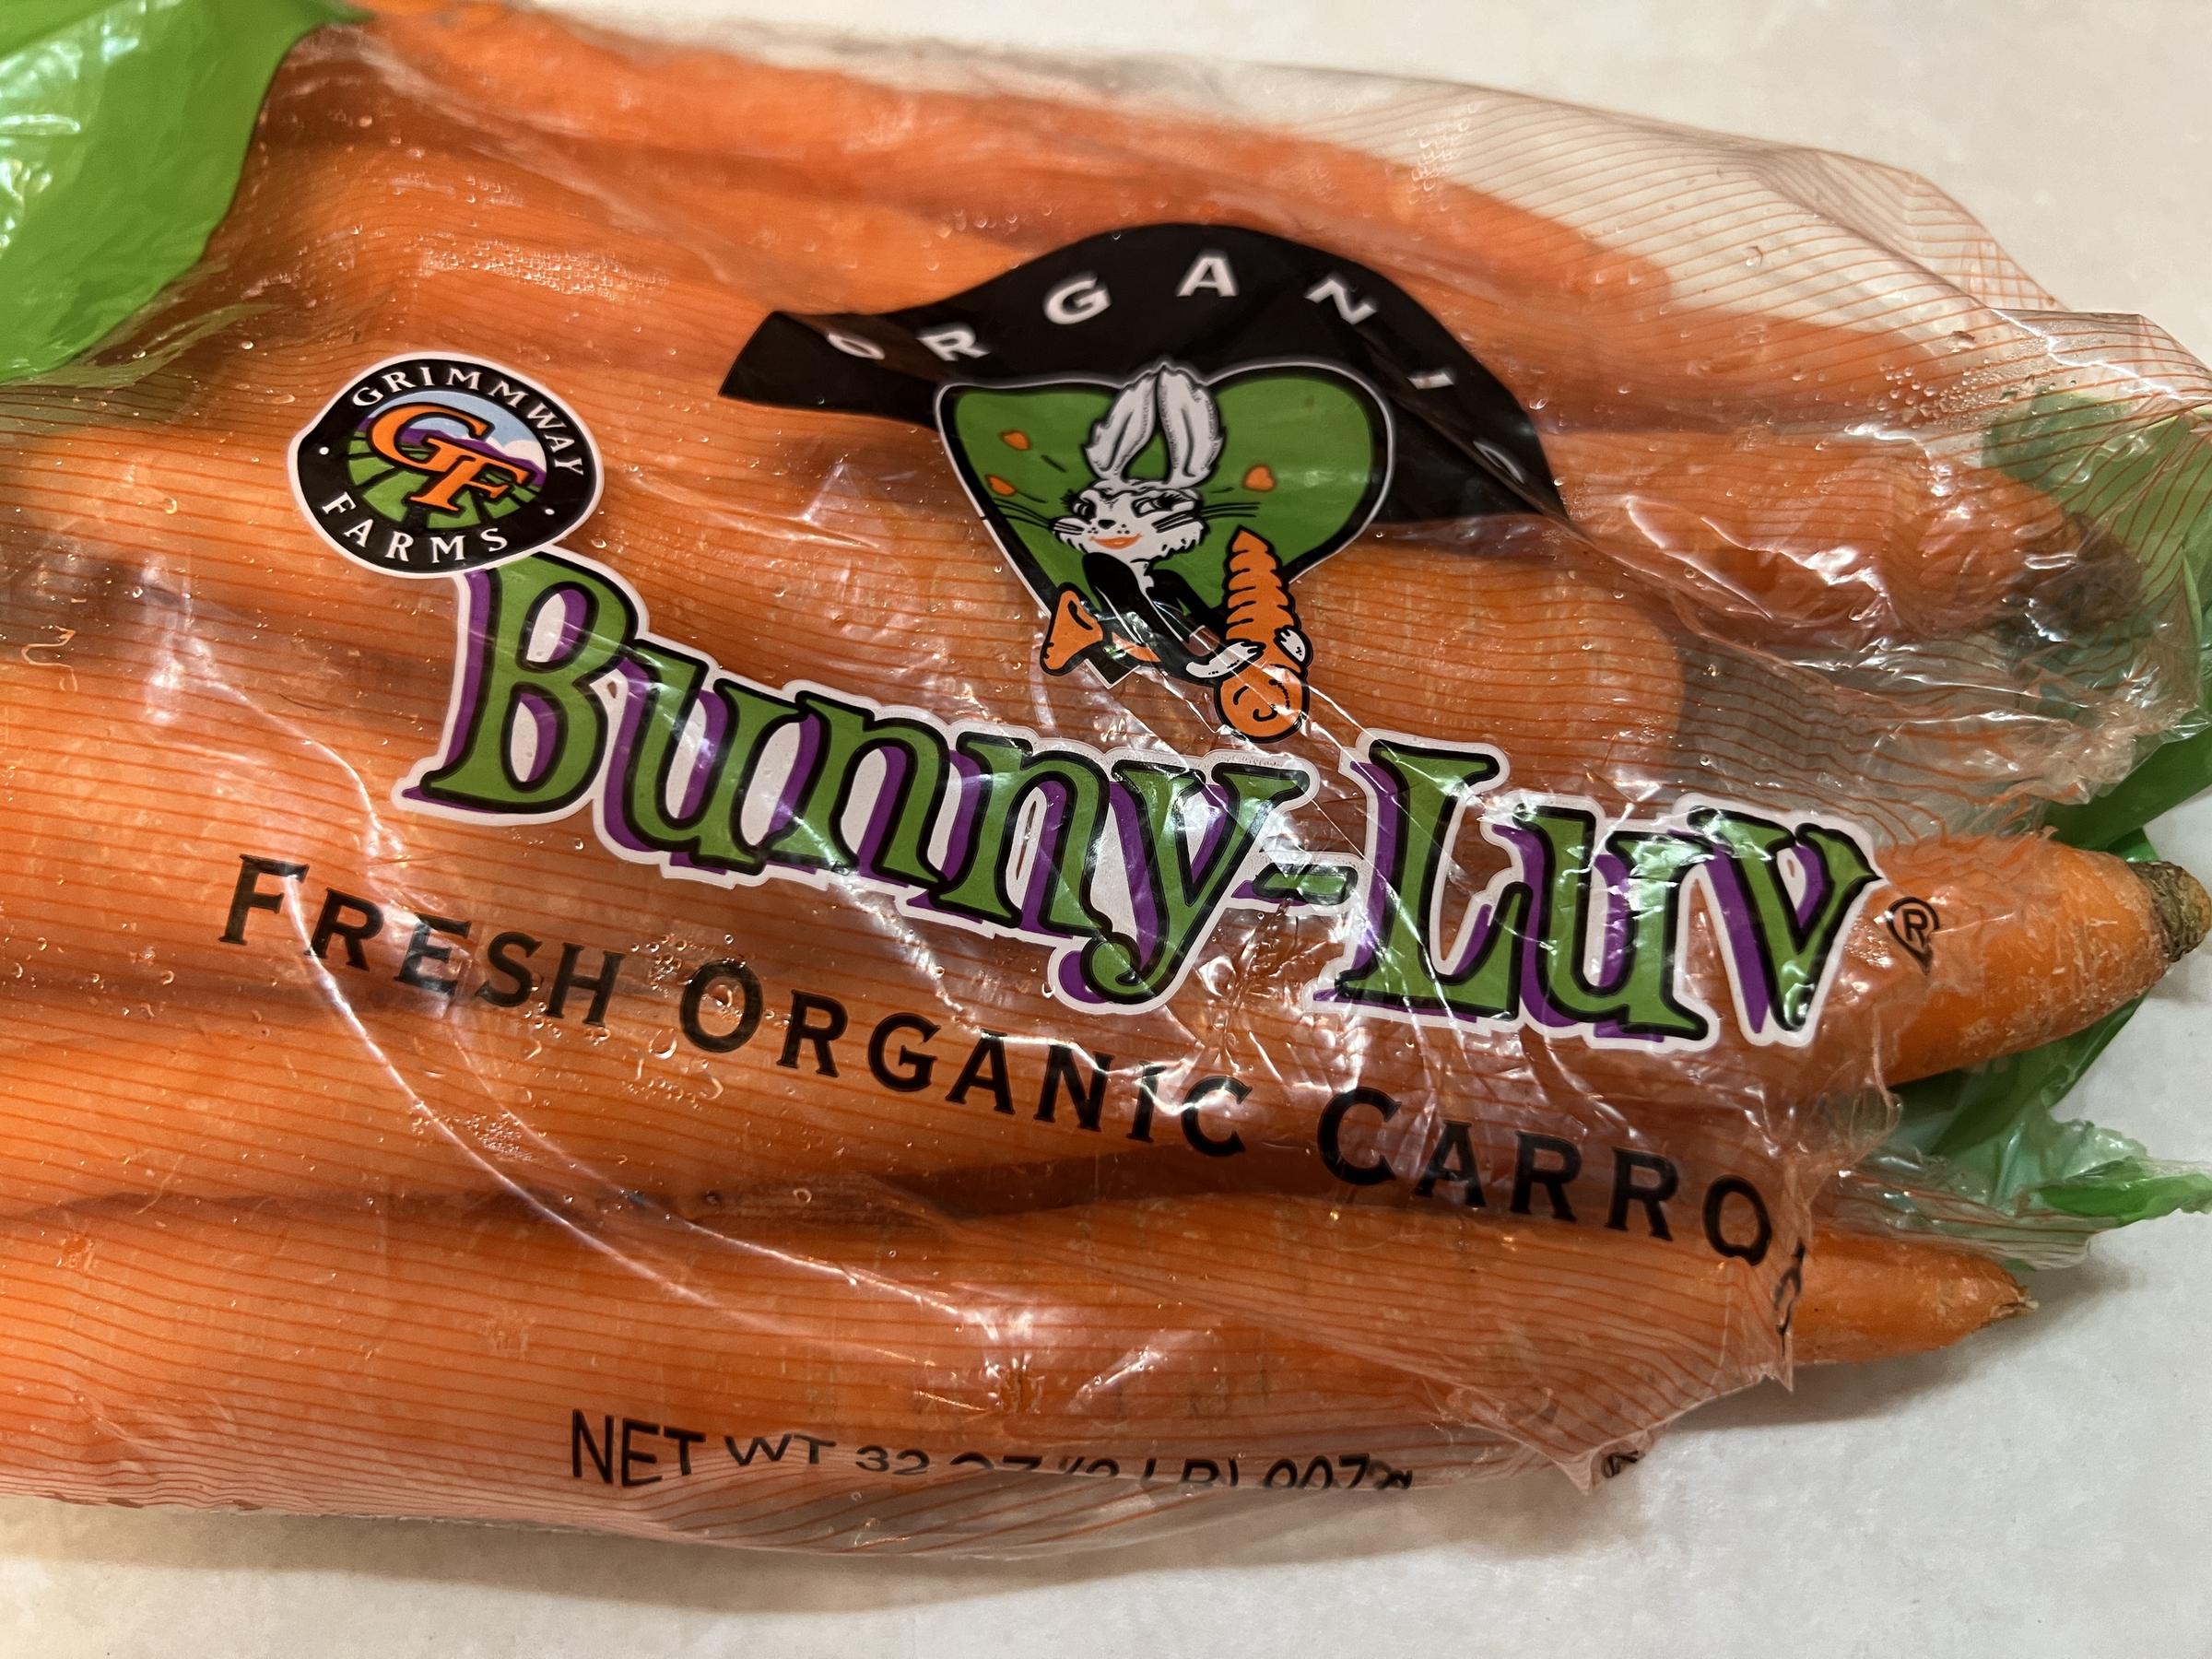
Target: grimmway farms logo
[(431, 465)]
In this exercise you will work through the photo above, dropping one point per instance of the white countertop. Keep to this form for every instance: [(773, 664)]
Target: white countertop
[(2046, 1489)]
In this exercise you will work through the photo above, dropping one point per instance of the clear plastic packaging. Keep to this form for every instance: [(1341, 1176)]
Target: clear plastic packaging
[(843, 797)]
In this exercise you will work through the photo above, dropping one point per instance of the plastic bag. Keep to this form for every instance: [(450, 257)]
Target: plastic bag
[(856, 798)]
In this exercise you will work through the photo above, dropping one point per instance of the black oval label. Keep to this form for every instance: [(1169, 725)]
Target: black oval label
[(1164, 426), (431, 465)]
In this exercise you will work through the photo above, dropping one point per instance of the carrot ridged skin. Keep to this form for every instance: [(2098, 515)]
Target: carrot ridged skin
[(1589, 332), (1869, 1298), (2034, 940), (479, 1362)]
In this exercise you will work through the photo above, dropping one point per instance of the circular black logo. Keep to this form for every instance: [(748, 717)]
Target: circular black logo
[(429, 466)]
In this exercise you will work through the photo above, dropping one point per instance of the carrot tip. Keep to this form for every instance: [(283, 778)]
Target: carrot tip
[(2179, 906)]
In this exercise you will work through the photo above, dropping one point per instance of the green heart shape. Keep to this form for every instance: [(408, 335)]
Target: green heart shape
[(1303, 447)]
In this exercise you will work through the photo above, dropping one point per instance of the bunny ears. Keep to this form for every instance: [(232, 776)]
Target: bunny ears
[(1168, 399)]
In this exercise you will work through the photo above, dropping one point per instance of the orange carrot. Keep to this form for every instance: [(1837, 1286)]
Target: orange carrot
[(484, 1365), (111, 1082), (1052, 171), (1843, 540), (2029, 940), (1864, 1296), (728, 1380), (1868, 1298)]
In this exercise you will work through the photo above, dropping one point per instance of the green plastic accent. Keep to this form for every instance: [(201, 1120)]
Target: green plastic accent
[(2151, 489), (122, 127), (1988, 1134), (2166, 777)]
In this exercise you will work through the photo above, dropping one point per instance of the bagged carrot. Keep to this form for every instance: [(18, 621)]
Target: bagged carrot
[(966, 812), (849, 1382)]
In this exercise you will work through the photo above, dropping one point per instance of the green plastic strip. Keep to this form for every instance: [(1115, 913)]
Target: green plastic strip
[(122, 127), (1988, 1135)]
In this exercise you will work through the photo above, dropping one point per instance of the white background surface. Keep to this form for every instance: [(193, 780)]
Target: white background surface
[(2047, 1490)]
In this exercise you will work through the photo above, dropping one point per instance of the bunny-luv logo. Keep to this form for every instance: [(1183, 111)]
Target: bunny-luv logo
[(1163, 428), (1160, 522)]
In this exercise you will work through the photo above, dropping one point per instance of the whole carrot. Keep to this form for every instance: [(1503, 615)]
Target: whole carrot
[(1835, 539), (749, 1379), (2025, 940), (639, 1377), (1055, 171), (1857, 1297)]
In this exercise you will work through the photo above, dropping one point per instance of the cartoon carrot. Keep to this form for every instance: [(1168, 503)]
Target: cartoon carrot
[(1265, 699)]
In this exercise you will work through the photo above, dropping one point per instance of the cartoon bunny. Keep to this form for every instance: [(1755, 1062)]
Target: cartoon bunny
[(1125, 525)]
